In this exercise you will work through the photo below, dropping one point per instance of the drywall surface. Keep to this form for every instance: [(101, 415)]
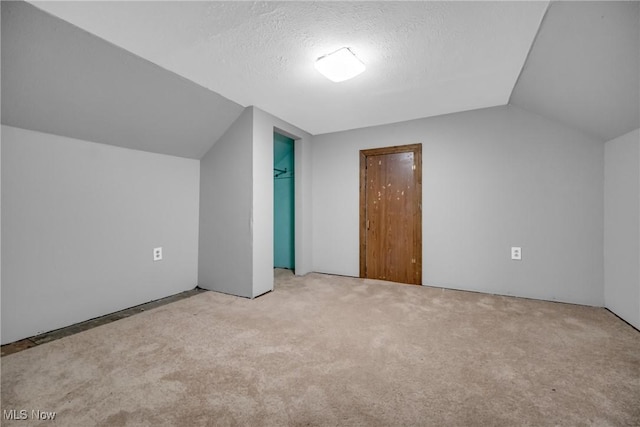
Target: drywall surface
[(59, 79), (583, 67), (1, 233), (225, 257), (236, 206), (492, 179), (264, 126), (622, 227), (79, 224)]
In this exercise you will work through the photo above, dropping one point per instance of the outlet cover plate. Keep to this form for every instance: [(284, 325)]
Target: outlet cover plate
[(516, 253), (157, 254)]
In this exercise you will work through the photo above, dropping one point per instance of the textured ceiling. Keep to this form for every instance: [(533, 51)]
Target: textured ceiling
[(59, 79), (584, 68), (423, 58)]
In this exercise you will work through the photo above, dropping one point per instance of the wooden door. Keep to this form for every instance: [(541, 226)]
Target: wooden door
[(391, 214)]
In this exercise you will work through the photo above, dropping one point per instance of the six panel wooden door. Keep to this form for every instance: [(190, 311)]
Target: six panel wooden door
[(391, 218)]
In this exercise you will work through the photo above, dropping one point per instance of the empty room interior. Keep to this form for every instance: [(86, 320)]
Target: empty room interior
[(320, 213)]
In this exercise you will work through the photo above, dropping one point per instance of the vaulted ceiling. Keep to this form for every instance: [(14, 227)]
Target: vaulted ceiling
[(583, 69), (59, 79), (423, 58), (171, 76)]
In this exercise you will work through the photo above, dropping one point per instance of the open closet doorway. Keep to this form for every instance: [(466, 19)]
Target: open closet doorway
[(283, 202)]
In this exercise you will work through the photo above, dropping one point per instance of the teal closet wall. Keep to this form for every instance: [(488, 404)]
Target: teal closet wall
[(283, 202)]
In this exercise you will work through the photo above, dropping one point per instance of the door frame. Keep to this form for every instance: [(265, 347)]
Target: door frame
[(416, 149), (293, 206)]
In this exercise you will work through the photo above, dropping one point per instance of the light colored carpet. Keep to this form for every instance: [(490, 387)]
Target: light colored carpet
[(325, 350)]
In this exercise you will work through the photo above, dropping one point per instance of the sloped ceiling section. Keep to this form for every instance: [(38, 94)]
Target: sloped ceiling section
[(423, 58), (583, 69), (59, 79)]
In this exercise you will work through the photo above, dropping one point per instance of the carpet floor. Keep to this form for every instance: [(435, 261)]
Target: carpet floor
[(336, 351)]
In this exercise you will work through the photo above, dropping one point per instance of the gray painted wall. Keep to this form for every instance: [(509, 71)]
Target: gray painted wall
[(226, 174), (79, 222), (492, 179), (622, 226), (236, 206)]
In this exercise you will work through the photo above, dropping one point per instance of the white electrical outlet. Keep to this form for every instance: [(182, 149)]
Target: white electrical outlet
[(516, 253), (157, 254)]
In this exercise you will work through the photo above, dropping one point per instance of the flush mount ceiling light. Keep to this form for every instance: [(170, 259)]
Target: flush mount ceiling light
[(340, 65)]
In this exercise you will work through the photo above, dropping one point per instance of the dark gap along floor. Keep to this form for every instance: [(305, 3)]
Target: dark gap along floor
[(26, 343)]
